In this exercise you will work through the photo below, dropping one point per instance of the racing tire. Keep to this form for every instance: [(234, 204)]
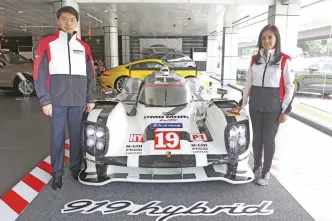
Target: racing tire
[(118, 84), (27, 87)]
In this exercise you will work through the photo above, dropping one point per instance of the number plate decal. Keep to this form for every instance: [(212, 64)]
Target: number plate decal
[(167, 140)]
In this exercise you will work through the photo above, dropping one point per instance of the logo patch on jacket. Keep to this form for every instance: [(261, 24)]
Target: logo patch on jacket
[(77, 51)]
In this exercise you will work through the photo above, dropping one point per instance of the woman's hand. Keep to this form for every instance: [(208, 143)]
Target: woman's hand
[(283, 117), (235, 109)]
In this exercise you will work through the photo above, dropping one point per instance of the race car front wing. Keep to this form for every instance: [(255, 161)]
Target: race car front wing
[(161, 171)]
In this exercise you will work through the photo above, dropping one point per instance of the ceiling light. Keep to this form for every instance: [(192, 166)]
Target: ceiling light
[(94, 18), (20, 12), (1, 8)]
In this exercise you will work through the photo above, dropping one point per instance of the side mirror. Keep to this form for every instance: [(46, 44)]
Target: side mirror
[(222, 92)]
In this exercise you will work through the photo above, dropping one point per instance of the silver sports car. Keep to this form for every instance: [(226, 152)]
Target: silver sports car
[(165, 129)]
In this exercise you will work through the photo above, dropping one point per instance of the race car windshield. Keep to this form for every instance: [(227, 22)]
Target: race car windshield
[(165, 95)]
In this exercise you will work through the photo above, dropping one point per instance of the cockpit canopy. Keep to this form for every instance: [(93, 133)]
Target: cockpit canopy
[(164, 89)]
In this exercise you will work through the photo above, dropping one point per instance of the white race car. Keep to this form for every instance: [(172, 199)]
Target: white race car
[(165, 129)]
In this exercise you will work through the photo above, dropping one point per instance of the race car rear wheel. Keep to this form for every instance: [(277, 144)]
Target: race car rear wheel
[(119, 83)]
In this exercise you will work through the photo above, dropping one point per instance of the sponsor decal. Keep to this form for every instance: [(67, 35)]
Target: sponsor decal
[(167, 117), (200, 148), (199, 145), (198, 137), (166, 125), (134, 149), (167, 140), (153, 209), (136, 138), (168, 120)]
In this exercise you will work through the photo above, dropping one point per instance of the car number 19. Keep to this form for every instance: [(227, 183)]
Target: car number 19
[(166, 140)]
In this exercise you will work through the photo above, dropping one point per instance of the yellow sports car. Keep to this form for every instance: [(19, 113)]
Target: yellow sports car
[(115, 77)]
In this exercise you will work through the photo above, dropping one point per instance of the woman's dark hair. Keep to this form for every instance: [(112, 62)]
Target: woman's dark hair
[(277, 46), (67, 9)]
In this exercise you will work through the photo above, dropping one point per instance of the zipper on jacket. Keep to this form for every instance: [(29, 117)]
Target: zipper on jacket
[(70, 80), (262, 97)]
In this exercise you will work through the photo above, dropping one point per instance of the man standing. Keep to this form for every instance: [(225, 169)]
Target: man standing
[(65, 82)]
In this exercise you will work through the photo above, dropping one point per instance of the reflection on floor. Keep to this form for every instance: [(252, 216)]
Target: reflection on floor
[(302, 166)]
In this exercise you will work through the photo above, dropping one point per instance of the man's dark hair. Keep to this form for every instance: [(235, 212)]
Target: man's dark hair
[(67, 9), (277, 46)]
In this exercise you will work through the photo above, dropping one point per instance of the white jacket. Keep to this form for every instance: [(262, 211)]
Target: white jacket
[(269, 88)]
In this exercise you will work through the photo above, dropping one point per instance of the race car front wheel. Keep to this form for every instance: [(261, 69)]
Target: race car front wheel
[(119, 83)]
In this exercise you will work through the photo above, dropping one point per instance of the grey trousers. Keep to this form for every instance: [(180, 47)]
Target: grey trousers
[(265, 127)]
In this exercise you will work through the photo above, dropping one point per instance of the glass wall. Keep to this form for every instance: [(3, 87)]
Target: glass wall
[(313, 65), (313, 60)]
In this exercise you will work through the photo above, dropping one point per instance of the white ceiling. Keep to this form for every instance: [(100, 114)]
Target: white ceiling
[(133, 19), (151, 19), (157, 19)]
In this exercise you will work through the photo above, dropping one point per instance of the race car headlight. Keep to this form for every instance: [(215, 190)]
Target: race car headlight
[(95, 139), (237, 137)]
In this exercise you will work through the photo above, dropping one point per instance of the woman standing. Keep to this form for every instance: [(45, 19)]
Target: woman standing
[(269, 84)]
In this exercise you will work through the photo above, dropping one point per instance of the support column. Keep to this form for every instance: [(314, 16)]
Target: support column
[(214, 46), (230, 47), (111, 42), (111, 46), (125, 49), (212, 56), (286, 18), (60, 3), (35, 42)]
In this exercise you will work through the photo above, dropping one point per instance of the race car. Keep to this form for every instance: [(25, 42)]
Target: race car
[(165, 129)]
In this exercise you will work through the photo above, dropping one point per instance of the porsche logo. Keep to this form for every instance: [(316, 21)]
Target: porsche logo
[(168, 154)]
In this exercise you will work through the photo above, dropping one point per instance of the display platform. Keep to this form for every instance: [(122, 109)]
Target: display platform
[(161, 202)]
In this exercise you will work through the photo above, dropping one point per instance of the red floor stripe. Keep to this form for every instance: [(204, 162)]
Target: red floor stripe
[(45, 166), (66, 159), (15, 201), (67, 146), (34, 182)]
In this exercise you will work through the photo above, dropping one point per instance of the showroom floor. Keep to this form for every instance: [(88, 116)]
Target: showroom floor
[(24, 138), (295, 190)]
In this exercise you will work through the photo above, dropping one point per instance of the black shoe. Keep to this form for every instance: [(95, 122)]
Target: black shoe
[(56, 183), (75, 174), (264, 179), (257, 172), (257, 169)]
